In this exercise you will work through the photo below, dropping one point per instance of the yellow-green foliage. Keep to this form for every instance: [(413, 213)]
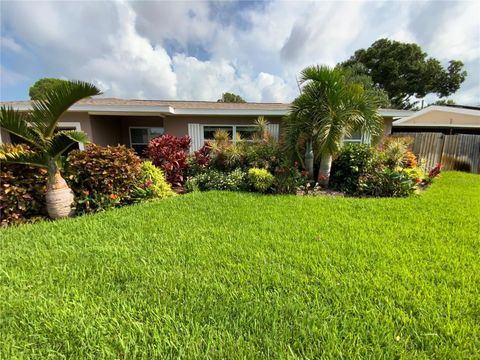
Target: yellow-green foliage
[(154, 180), (260, 179)]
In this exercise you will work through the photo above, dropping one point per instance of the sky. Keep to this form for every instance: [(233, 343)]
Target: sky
[(196, 50)]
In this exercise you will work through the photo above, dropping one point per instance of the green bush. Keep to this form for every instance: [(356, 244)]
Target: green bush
[(260, 179), (264, 154), (388, 183), (22, 190), (353, 162), (152, 183), (217, 180), (102, 177), (288, 179)]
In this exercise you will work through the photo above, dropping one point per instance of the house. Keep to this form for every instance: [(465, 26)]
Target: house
[(109, 121), (448, 119)]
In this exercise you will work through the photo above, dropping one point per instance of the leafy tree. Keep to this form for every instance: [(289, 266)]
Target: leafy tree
[(38, 129), (444, 102), (404, 71), (42, 86), (231, 98), (329, 108), (357, 73)]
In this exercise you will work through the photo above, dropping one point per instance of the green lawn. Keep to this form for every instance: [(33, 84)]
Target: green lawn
[(232, 275)]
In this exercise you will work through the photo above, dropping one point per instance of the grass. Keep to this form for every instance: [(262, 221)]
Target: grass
[(232, 275)]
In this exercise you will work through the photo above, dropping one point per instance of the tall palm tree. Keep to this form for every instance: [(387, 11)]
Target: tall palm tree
[(37, 128), (328, 108)]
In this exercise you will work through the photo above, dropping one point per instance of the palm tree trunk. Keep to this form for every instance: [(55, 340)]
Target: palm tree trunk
[(309, 159), (60, 198), (325, 167)]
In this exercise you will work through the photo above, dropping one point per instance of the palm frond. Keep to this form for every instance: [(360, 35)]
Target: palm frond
[(18, 155), (17, 123), (47, 111), (63, 140)]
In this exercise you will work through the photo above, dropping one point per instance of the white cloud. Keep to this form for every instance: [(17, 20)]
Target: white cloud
[(10, 77), (9, 44), (198, 50)]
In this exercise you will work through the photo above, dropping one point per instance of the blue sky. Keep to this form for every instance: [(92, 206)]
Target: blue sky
[(197, 50)]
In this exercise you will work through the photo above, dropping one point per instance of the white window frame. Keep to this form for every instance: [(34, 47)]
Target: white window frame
[(148, 133), (76, 125), (234, 130)]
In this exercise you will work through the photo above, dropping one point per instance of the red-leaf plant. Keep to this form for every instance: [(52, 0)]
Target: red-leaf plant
[(170, 153)]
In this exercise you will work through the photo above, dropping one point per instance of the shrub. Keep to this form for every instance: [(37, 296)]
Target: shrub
[(265, 154), (102, 177), (170, 153), (152, 183), (387, 183), (352, 162), (395, 152), (22, 190), (288, 179), (216, 180), (260, 179)]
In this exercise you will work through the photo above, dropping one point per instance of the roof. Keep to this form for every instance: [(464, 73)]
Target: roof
[(450, 116), (113, 106)]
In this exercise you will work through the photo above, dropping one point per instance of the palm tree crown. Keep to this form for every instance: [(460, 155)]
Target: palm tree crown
[(328, 109), (37, 127)]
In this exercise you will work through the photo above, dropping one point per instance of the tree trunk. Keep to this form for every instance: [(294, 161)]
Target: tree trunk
[(59, 198), (309, 159), (325, 167)]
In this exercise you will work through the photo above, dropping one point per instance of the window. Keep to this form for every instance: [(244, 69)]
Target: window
[(235, 132), (141, 136), (209, 131), (355, 138)]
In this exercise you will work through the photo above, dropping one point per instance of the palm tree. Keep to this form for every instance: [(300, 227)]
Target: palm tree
[(328, 109), (37, 128)]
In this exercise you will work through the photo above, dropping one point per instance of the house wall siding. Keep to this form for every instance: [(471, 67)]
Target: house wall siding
[(178, 125)]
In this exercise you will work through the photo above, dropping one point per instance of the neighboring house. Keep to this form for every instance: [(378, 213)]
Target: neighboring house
[(135, 122), (448, 119)]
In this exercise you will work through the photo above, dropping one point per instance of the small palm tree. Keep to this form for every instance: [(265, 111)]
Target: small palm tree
[(328, 109), (37, 128)]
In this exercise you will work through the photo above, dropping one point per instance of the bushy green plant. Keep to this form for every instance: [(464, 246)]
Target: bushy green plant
[(102, 177), (388, 183), (265, 154), (22, 189), (352, 162), (395, 152), (217, 180), (152, 183), (260, 179), (288, 179)]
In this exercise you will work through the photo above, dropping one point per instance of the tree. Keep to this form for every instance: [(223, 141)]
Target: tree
[(444, 102), (42, 86), (38, 129), (231, 98), (404, 71), (358, 74), (329, 108)]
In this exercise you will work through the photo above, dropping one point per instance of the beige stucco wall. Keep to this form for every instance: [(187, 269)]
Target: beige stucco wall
[(178, 125), (445, 118), (138, 121), (81, 117), (387, 125), (107, 130)]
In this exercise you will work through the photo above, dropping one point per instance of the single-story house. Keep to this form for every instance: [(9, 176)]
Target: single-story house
[(109, 121), (448, 119)]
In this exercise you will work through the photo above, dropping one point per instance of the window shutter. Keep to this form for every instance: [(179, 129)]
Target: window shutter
[(195, 133), (274, 130)]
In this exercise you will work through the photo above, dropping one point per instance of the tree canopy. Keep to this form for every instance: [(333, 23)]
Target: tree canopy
[(231, 98), (42, 86), (404, 71)]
